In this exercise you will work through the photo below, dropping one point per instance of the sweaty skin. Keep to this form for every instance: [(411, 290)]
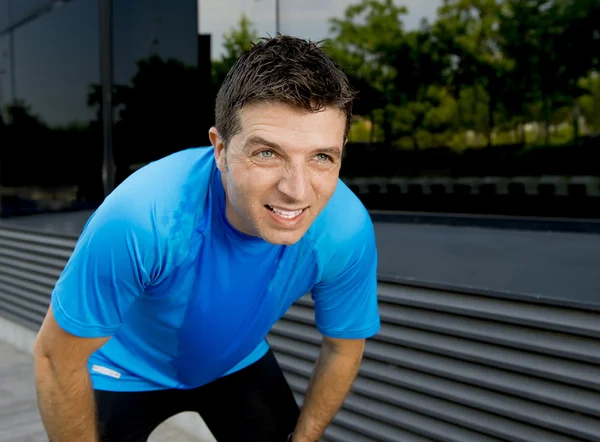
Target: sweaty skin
[(64, 388), (284, 158), (333, 375)]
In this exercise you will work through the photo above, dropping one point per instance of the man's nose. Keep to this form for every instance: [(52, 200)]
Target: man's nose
[(295, 183)]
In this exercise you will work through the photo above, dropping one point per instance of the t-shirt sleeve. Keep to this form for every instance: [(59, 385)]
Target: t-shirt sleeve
[(346, 301), (108, 270)]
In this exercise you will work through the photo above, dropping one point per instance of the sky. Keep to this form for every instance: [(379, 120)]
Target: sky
[(301, 18)]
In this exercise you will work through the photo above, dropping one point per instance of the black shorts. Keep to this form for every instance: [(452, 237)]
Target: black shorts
[(253, 404)]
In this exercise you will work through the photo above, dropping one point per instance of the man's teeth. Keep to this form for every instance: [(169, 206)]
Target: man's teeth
[(287, 213)]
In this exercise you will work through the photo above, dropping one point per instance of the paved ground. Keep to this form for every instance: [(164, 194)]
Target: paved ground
[(19, 418)]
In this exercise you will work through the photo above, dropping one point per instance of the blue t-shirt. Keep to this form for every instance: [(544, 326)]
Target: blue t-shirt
[(186, 297)]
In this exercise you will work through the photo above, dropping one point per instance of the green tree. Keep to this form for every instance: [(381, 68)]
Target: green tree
[(421, 72), (361, 44), (545, 39), (589, 103), (236, 41), (468, 32), (392, 68), (22, 117)]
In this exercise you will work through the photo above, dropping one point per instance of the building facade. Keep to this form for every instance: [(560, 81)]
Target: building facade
[(91, 90)]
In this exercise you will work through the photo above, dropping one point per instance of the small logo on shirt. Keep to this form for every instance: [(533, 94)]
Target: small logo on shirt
[(106, 371)]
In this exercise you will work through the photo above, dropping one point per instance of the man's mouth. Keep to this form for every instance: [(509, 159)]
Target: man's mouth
[(285, 213)]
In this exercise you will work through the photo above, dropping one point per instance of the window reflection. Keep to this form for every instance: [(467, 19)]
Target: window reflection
[(5, 77), (50, 145), (459, 110), (20, 9), (219, 18), (4, 12), (157, 93)]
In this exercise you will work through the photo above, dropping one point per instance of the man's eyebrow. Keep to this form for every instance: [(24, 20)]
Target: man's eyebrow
[(255, 140)]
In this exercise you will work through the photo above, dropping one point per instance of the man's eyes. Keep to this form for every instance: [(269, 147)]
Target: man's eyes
[(270, 154), (266, 154), (323, 157)]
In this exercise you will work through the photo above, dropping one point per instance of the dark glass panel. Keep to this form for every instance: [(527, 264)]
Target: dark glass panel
[(20, 9), (4, 14), (159, 101), (466, 112), (51, 143)]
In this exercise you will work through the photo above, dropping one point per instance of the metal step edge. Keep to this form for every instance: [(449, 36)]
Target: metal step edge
[(570, 372), (553, 343), (543, 416), (28, 323), (569, 320), (516, 336), (468, 417), (18, 302), (524, 387), (32, 320), (40, 250), (351, 423), (338, 432), (34, 268), (403, 418), (57, 263), (24, 295), (38, 238), (36, 279), (359, 425), (44, 290), (544, 366), (547, 416)]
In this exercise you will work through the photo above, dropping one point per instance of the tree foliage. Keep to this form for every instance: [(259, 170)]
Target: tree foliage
[(235, 41), (512, 62), (482, 72)]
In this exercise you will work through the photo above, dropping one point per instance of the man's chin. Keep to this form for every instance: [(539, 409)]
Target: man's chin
[(283, 238)]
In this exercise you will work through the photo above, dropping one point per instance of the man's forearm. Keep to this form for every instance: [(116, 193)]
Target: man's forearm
[(66, 403), (332, 378)]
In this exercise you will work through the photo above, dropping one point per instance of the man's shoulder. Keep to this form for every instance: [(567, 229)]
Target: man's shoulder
[(343, 220), (175, 172), (165, 200), (340, 232), (170, 186)]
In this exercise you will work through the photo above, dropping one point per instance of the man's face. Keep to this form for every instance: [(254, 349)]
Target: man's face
[(280, 170)]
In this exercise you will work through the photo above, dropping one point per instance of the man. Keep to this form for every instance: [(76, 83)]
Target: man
[(177, 278)]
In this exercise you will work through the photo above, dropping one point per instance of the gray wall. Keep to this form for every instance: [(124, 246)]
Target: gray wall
[(446, 366)]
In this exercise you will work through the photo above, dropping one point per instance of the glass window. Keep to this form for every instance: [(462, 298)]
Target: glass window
[(5, 75), (504, 126), (4, 14), (460, 110), (159, 101), (51, 146), (20, 9), (219, 18)]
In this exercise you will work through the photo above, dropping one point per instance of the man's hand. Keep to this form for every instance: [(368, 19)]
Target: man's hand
[(332, 378)]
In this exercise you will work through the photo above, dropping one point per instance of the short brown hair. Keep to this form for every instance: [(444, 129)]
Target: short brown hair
[(283, 69)]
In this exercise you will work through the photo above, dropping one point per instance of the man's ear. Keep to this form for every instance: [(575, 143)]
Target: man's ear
[(219, 146)]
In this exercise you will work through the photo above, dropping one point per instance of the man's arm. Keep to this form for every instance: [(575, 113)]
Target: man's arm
[(64, 388), (332, 378)]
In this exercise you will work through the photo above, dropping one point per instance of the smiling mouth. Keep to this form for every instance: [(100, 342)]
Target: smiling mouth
[(288, 214)]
